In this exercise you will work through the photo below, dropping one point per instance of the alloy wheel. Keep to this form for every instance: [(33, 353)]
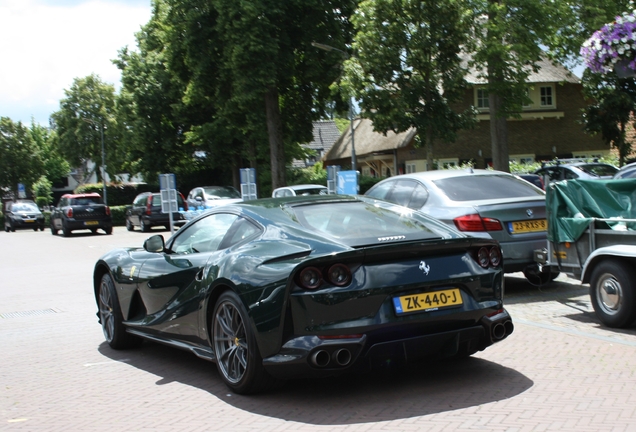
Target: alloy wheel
[(230, 342)]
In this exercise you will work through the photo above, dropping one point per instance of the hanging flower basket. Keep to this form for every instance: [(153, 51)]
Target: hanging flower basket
[(613, 47)]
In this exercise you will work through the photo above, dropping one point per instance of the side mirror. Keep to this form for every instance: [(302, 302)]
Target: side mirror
[(155, 243)]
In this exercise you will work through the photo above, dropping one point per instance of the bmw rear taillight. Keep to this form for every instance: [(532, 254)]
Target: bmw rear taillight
[(149, 206), (488, 256), (312, 278), (69, 212), (476, 223), (107, 211)]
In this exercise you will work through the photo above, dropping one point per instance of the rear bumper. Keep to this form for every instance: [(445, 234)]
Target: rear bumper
[(310, 356), (74, 224)]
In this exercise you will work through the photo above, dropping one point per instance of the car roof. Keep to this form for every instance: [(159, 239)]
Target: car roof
[(443, 174), (86, 195), (303, 186)]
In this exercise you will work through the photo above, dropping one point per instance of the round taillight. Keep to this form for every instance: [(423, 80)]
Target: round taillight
[(339, 275), (310, 278), (495, 256), (483, 257), (69, 212)]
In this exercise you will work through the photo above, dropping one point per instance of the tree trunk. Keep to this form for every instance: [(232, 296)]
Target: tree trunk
[(498, 135), (429, 150), (274, 131)]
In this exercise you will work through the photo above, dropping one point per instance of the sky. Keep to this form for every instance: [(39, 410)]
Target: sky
[(46, 44)]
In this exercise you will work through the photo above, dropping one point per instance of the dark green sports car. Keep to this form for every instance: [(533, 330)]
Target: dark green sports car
[(306, 286)]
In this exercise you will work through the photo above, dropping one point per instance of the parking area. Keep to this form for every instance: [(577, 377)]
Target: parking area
[(560, 370)]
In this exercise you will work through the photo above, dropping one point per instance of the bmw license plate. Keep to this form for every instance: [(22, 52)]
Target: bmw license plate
[(528, 226), (427, 302), (91, 223)]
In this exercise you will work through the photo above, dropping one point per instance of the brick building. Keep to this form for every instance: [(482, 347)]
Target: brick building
[(548, 128)]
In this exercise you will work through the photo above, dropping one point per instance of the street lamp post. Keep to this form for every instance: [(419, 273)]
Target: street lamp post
[(101, 130), (351, 115)]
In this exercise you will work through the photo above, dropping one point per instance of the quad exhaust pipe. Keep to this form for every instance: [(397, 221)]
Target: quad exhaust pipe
[(502, 330), (339, 358)]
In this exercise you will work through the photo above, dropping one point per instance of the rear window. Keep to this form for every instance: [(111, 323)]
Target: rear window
[(357, 222), (222, 192), (84, 201), (156, 200), (484, 187), (599, 170)]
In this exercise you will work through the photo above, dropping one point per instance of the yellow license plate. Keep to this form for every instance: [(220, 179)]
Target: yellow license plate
[(537, 225), (91, 223), (427, 302), (29, 220)]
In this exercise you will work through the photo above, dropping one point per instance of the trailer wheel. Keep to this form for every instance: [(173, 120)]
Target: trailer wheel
[(612, 293)]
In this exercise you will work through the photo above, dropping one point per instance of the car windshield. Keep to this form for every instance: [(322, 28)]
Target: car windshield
[(598, 169), (221, 192), (359, 222), (485, 187), (24, 207), (86, 201)]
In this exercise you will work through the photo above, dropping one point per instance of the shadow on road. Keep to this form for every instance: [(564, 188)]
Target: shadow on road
[(424, 389)]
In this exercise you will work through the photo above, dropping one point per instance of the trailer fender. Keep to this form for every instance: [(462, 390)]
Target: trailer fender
[(618, 251)]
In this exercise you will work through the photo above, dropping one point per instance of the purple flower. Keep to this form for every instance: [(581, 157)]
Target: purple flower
[(612, 43)]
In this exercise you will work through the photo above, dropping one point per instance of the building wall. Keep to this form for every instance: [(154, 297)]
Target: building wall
[(546, 138)]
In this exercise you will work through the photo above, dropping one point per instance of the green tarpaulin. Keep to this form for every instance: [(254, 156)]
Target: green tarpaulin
[(572, 205)]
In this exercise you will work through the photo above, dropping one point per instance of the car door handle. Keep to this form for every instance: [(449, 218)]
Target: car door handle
[(199, 276)]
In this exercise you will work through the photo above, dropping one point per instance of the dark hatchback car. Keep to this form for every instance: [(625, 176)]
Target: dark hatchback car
[(81, 212), (307, 286), (145, 212), (23, 215)]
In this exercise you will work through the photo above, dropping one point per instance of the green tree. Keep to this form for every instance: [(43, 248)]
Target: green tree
[(511, 37), (407, 67), (230, 80), (612, 109), (20, 158), (55, 166), (43, 191), (87, 112)]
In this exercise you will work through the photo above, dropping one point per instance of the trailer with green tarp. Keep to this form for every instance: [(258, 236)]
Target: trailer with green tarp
[(592, 237)]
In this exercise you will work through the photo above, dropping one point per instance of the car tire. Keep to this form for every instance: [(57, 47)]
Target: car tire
[(238, 359), (65, 231), (612, 293), (129, 225), (111, 318), (143, 227), (108, 230), (6, 228), (53, 229), (42, 228)]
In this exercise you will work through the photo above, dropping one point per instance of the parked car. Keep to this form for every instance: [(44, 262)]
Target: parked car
[(23, 214), (81, 212), (570, 170), (626, 171), (535, 179), (483, 203), (305, 286), (302, 189), (145, 212), (210, 196)]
